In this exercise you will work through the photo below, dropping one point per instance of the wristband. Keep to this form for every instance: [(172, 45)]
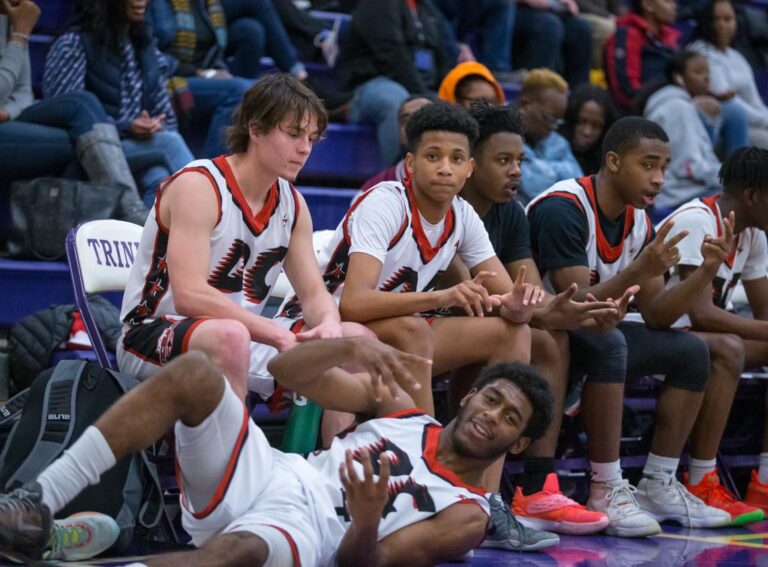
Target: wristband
[(24, 36)]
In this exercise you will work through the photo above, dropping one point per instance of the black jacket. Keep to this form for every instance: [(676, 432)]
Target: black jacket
[(383, 39)]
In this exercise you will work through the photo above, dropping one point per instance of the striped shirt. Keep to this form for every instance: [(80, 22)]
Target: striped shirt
[(65, 71)]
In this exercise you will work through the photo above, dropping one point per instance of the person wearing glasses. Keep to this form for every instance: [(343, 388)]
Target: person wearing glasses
[(548, 156)]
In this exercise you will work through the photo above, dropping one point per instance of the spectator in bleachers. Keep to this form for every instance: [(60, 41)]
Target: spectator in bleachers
[(109, 52), (693, 171), (548, 32), (730, 76), (638, 52), (311, 36), (57, 133), (601, 17), (548, 156), (254, 27), (397, 171), (589, 114), (492, 23), (394, 48), (468, 83), (193, 37)]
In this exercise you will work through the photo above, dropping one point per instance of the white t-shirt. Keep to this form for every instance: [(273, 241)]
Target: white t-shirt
[(702, 217), (385, 223)]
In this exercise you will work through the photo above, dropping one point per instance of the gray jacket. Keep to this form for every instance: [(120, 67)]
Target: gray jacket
[(694, 169), (15, 75)]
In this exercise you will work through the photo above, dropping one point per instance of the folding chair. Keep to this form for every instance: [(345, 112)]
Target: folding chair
[(100, 255)]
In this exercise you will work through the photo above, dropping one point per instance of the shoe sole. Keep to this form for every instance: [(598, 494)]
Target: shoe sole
[(642, 531), (538, 546), (569, 528), (748, 518), (688, 523)]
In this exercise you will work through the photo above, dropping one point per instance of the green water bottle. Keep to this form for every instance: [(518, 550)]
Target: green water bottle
[(303, 426)]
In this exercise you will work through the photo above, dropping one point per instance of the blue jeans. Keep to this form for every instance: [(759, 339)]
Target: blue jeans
[(264, 21), (217, 98), (543, 38), (734, 132), (41, 140), (495, 22), (376, 102), (176, 151)]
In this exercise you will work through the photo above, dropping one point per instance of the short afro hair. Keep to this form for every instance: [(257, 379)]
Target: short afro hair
[(746, 168), (440, 117), (533, 386), (626, 133), (493, 119)]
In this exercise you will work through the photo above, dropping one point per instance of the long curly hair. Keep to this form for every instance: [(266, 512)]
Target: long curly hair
[(107, 22)]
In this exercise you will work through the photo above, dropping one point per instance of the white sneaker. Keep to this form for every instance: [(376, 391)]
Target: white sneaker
[(616, 499), (667, 499)]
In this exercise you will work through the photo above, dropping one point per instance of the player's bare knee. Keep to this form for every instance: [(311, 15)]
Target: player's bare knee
[(513, 337), (547, 346), (351, 329), (727, 354), (413, 335)]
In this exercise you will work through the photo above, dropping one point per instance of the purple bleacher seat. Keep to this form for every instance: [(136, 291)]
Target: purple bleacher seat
[(350, 154), (328, 205), (54, 15), (27, 286)]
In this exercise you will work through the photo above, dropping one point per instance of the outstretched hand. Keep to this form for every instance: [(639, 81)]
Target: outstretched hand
[(607, 322), (469, 295), (518, 304), (365, 497), (387, 366), (661, 254), (715, 251), (564, 313)]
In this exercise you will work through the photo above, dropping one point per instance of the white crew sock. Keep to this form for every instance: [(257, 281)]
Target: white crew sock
[(698, 469), (605, 472), (762, 471), (658, 466), (80, 466)]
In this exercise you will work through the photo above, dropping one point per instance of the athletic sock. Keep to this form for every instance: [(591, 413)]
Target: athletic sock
[(698, 469), (658, 466), (80, 466), (535, 471), (762, 471), (605, 472)]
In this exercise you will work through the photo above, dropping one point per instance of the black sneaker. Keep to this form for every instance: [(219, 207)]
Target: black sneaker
[(25, 524), (505, 532)]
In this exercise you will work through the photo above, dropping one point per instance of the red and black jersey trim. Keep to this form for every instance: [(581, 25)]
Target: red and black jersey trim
[(291, 543), (403, 414), (226, 479), (165, 182), (161, 340), (156, 282), (608, 254), (296, 206), (258, 222), (429, 454), (427, 252)]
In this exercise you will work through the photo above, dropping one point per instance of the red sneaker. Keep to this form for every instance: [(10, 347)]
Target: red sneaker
[(716, 495), (757, 493), (551, 510)]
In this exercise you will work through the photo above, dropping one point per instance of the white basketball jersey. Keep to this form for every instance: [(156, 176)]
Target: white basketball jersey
[(410, 260), (419, 485), (747, 260), (247, 249), (605, 260)]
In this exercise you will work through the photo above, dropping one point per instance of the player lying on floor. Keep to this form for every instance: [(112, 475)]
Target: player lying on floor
[(398, 489)]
